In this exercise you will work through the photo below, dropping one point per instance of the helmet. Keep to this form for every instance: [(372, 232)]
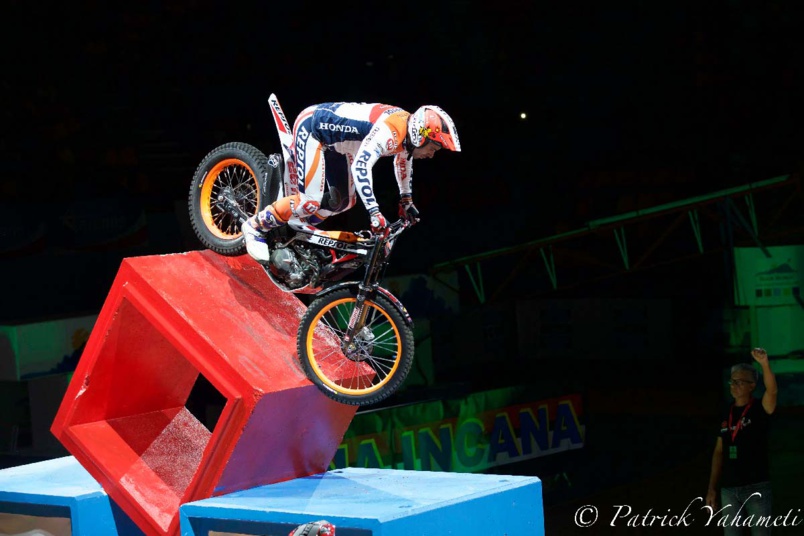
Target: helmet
[(431, 123)]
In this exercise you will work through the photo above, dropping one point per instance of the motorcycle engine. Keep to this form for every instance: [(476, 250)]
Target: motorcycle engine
[(286, 267), (298, 266)]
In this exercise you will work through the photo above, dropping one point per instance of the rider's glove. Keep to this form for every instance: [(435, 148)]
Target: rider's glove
[(407, 210), (378, 223)]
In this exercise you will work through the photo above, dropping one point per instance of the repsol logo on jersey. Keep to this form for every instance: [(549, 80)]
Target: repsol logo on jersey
[(362, 175), (301, 138), (349, 129)]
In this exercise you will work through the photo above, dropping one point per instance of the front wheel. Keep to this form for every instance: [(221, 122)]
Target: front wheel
[(382, 356), (240, 173)]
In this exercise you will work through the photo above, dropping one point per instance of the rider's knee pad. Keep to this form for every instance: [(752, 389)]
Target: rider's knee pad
[(306, 208)]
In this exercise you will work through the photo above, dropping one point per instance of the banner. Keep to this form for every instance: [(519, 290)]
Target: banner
[(774, 280), (483, 430), (48, 347)]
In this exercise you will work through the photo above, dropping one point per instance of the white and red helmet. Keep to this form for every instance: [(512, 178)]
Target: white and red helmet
[(316, 528), (431, 123)]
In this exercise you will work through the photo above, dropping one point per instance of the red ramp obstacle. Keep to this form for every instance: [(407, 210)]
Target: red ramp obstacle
[(168, 320)]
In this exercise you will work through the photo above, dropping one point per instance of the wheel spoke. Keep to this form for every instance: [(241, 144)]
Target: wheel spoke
[(238, 179), (376, 354), (343, 316), (333, 326)]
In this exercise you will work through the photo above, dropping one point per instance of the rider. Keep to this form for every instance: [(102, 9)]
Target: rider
[(338, 142)]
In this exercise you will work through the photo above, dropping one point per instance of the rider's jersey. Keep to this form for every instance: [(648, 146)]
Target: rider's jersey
[(364, 133)]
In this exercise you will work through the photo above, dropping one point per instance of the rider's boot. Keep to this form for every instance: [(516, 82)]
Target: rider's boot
[(254, 230)]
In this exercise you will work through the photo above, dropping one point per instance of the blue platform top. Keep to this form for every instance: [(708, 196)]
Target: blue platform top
[(376, 494), (61, 487), (59, 481)]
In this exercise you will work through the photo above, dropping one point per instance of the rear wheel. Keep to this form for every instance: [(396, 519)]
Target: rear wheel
[(383, 353), (235, 170)]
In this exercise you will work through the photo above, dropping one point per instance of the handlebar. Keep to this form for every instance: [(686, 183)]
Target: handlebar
[(398, 226), (393, 230)]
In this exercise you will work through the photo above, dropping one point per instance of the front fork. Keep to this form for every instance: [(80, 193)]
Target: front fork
[(358, 318), (357, 321)]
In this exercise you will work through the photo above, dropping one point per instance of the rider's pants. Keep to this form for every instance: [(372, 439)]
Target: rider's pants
[(316, 167)]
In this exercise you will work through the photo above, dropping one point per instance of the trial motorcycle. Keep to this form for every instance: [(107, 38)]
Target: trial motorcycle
[(355, 340)]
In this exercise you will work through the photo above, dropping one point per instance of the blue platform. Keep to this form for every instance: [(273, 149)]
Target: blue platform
[(378, 502), (61, 488), (359, 502)]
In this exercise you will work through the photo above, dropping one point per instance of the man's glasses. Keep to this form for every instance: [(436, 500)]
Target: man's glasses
[(739, 383)]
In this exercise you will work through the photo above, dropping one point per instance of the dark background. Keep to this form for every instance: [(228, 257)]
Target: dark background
[(688, 96), (108, 109)]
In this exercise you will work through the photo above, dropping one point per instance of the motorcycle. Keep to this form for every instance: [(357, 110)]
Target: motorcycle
[(355, 340)]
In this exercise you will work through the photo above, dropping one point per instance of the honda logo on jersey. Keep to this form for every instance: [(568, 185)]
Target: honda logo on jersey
[(349, 129)]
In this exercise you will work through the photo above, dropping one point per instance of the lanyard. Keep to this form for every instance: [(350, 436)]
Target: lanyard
[(740, 422)]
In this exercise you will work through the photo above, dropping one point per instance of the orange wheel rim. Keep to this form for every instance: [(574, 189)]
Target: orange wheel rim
[(209, 214), (325, 379)]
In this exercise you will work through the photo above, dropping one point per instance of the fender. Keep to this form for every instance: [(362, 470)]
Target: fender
[(290, 180), (271, 183), (386, 293)]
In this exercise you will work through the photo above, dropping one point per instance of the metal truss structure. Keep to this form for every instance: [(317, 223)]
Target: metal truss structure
[(758, 214)]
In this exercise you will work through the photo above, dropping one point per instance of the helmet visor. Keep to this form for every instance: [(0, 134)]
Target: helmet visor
[(441, 134)]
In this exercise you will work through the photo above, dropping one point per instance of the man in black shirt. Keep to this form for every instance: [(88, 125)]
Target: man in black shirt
[(740, 460)]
